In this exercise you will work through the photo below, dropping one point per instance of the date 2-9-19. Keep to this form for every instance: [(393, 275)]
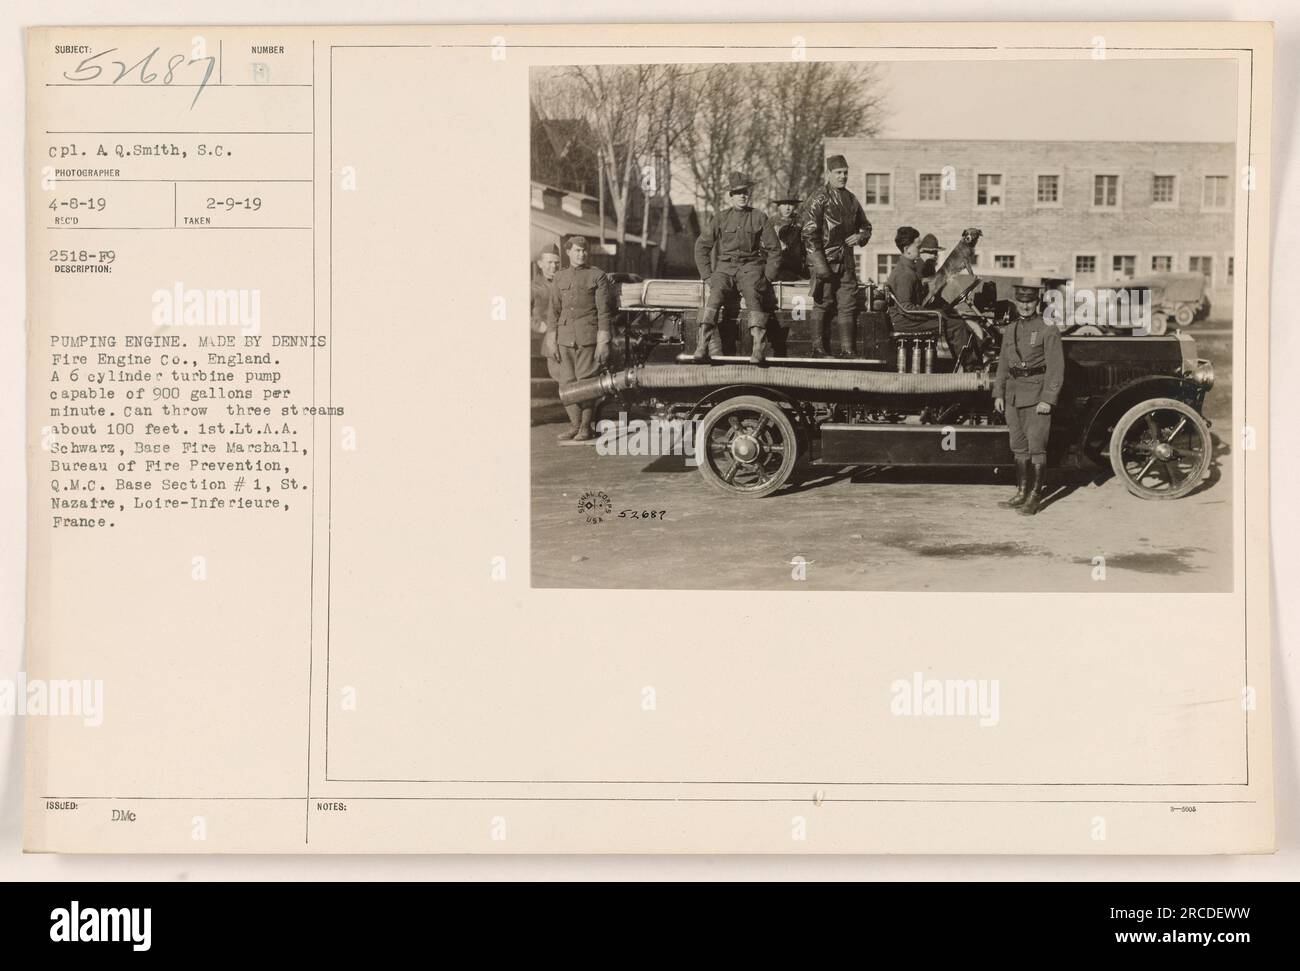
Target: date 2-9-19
[(91, 69)]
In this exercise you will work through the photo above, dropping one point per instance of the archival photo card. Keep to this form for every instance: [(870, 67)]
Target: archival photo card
[(881, 463)]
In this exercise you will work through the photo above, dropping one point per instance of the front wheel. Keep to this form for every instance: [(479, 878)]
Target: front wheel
[(747, 447), (1161, 449)]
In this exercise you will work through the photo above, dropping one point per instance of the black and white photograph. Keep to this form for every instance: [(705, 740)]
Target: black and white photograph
[(884, 325), (903, 496)]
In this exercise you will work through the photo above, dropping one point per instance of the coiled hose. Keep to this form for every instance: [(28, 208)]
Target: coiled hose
[(801, 379)]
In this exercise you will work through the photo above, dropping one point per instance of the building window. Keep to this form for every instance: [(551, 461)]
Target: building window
[(1214, 195), (1004, 261), (1049, 190), (885, 263), (1162, 264), (1123, 266), (988, 189), (877, 189), (1231, 270), (929, 187), (1085, 265), (1164, 190), (1105, 192), (1203, 265)]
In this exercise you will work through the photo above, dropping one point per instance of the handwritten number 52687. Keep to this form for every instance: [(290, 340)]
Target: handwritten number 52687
[(88, 70)]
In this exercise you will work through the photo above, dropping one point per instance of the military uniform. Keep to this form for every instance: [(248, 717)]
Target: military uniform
[(785, 246), (1031, 368), (539, 301), (829, 217), (539, 305), (731, 254), (579, 314)]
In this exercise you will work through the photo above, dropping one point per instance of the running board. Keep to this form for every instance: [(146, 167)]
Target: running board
[(869, 443)]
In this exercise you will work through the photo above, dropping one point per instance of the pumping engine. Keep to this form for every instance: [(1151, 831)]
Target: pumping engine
[(902, 399)]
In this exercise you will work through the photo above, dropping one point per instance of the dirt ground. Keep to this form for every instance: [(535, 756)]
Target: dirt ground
[(878, 529)]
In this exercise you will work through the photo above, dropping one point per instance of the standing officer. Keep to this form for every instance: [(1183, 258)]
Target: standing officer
[(730, 253), (785, 243), (834, 223), (579, 316), (1030, 370)]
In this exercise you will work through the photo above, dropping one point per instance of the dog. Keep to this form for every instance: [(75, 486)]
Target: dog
[(960, 260)]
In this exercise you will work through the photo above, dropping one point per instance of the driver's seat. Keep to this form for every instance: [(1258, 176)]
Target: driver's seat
[(922, 343)]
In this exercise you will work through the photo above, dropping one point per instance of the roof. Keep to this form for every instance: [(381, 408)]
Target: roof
[(566, 224)]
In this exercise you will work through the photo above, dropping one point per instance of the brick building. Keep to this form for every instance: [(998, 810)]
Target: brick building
[(1092, 211)]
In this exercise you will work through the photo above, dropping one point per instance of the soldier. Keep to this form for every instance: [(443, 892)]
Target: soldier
[(834, 223), (908, 288), (929, 255), (544, 270), (579, 316), (539, 305), (730, 253), (785, 243), (1030, 370)]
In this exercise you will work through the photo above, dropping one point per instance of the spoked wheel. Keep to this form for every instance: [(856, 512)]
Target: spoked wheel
[(1161, 449), (747, 447)]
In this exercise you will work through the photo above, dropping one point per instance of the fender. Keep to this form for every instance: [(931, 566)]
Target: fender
[(1105, 411), (714, 395)]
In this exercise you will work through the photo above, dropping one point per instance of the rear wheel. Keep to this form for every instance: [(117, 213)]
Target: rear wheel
[(1184, 316), (1161, 449), (747, 447)]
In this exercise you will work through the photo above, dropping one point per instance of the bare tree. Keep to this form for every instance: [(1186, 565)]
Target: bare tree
[(670, 123), (806, 102), (618, 103), (724, 132), (766, 120)]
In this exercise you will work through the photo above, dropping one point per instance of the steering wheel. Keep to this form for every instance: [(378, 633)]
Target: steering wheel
[(966, 293)]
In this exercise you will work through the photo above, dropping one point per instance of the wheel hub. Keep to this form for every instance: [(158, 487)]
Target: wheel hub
[(1164, 451), (745, 448)]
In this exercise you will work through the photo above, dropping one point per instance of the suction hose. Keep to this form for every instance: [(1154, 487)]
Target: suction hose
[(801, 379)]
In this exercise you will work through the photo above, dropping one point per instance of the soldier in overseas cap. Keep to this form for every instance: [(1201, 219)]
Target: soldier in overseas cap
[(785, 242), (1031, 368), (834, 223), (731, 254), (579, 317)]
